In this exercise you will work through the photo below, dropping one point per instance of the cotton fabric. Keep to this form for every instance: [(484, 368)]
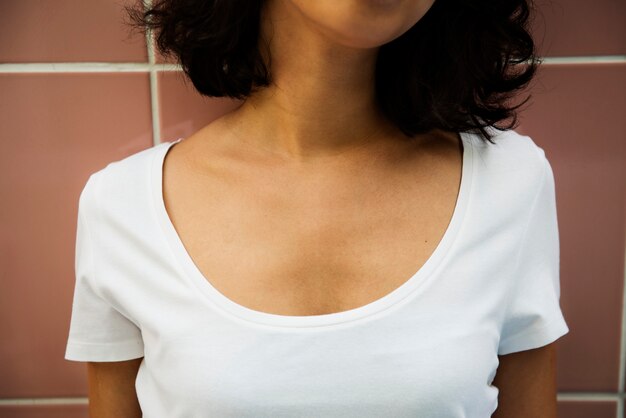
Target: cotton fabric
[(428, 349)]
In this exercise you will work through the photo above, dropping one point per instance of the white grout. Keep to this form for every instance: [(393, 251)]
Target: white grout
[(590, 396), (87, 67), (578, 396), (151, 66), (606, 59), (43, 401), (594, 397), (622, 352), (154, 85)]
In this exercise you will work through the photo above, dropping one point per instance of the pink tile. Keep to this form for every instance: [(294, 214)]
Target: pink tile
[(68, 30), (580, 27), (576, 115), (183, 110), (57, 129), (45, 411), (585, 409)]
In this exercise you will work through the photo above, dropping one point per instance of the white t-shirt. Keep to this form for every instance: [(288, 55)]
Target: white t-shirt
[(428, 349)]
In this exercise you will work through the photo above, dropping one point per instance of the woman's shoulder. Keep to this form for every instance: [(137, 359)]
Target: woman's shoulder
[(122, 182), (510, 153), (131, 165), (510, 170)]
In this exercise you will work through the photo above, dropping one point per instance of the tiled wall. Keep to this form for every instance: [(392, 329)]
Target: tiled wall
[(77, 91)]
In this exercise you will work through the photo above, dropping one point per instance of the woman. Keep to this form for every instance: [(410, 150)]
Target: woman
[(359, 239)]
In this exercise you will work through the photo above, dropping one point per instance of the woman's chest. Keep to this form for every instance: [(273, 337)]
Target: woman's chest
[(406, 365), (309, 245)]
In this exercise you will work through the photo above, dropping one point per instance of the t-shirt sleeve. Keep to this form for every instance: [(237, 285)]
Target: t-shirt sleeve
[(98, 332), (533, 314)]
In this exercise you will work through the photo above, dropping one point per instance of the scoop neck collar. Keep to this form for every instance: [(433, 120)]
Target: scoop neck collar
[(416, 284)]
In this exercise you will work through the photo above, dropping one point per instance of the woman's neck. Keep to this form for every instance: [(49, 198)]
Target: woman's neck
[(322, 97)]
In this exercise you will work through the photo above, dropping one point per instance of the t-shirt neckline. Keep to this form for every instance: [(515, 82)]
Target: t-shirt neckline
[(418, 281)]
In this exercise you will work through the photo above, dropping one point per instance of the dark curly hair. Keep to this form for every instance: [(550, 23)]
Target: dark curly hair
[(454, 70)]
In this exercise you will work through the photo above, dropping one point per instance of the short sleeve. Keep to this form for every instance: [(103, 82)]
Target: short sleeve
[(98, 332), (533, 314)]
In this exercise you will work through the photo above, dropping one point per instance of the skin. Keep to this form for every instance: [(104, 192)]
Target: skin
[(112, 389), (318, 124), (527, 384), (322, 99)]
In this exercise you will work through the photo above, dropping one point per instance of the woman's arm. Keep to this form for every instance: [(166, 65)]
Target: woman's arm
[(527, 384), (112, 389)]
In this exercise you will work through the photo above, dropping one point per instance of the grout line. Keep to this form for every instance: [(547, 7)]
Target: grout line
[(44, 401), (151, 66), (622, 357), (85, 67), (567, 396), (154, 85), (154, 108), (590, 396), (606, 59)]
